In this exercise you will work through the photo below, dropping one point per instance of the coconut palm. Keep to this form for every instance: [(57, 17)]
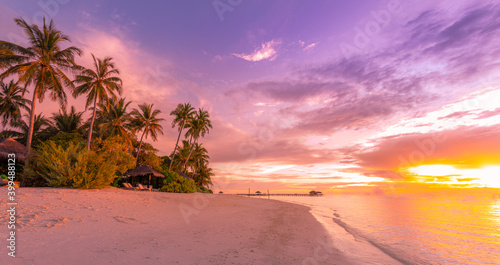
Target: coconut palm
[(180, 156), (42, 64), (183, 114), (63, 121), (20, 129), (114, 120), (99, 84), (146, 120), (199, 126), (11, 102), (199, 166)]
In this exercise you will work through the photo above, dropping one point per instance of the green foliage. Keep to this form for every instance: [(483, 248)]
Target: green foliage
[(64, 139), (117, 150), (116, 182), (164, 163), (205, 190), (147, 156), (175, 183), (75, 166), (3, 176)]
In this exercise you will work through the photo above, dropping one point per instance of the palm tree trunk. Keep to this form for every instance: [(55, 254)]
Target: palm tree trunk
[(92, 123), (190, 152), (30, 136), (175, 149), (140, 144)]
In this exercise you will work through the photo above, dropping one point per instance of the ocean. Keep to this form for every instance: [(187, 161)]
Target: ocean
[(457, 229)]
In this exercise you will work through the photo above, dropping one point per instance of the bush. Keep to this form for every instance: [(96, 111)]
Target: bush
[(63, 139), (204, 190), (4, 176), (175, 183), (75, 166)]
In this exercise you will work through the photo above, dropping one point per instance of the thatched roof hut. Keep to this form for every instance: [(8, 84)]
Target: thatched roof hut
[(143, 170), (11, 146)]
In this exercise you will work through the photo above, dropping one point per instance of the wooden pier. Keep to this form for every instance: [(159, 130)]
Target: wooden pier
[(280, 194)]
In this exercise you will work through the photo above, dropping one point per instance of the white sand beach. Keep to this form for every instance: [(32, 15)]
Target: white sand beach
[(114, 226)]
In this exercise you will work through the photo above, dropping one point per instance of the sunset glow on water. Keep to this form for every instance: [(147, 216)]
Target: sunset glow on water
[(425, 229)]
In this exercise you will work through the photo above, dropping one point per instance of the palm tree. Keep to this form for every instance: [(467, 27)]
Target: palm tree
[(183, 114), (198, 162), (114, 120), (146, 120), (66, 122), (99, 85), (198, 127), (203, 176), (21, 129), (180, 156), (41, 64), (11, 102)]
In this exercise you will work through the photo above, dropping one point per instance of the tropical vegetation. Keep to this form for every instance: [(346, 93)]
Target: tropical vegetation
[(68, 150)]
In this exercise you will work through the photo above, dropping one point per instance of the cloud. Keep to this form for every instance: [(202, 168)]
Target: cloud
[(145, 77), (267, 145), (310, 46), (267, 51), (296, 91), (433, 64), (488, 114), (469, 146)]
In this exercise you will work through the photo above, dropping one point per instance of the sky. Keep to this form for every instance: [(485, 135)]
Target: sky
[(340, 96)]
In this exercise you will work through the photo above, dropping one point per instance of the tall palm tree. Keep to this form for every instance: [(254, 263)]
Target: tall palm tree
[(100, 85), (180, 156), (199, 126), (114, 120), (42, 64), (63, 121), (11, 102), (20, 129), (146, 119), (183, 114)]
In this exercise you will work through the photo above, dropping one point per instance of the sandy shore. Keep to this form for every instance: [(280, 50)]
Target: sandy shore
[(113, 226)]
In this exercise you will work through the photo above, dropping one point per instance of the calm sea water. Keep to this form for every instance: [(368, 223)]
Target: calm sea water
[(411, 230)]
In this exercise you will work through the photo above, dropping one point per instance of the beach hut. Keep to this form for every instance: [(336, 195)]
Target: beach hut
[(11, 146), (315, 193), (144, 171)]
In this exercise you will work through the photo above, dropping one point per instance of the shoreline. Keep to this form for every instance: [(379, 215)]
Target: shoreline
[(357, 250), (65, 226)]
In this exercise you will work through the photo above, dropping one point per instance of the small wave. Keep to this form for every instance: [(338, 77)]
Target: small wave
[(359, 237)]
